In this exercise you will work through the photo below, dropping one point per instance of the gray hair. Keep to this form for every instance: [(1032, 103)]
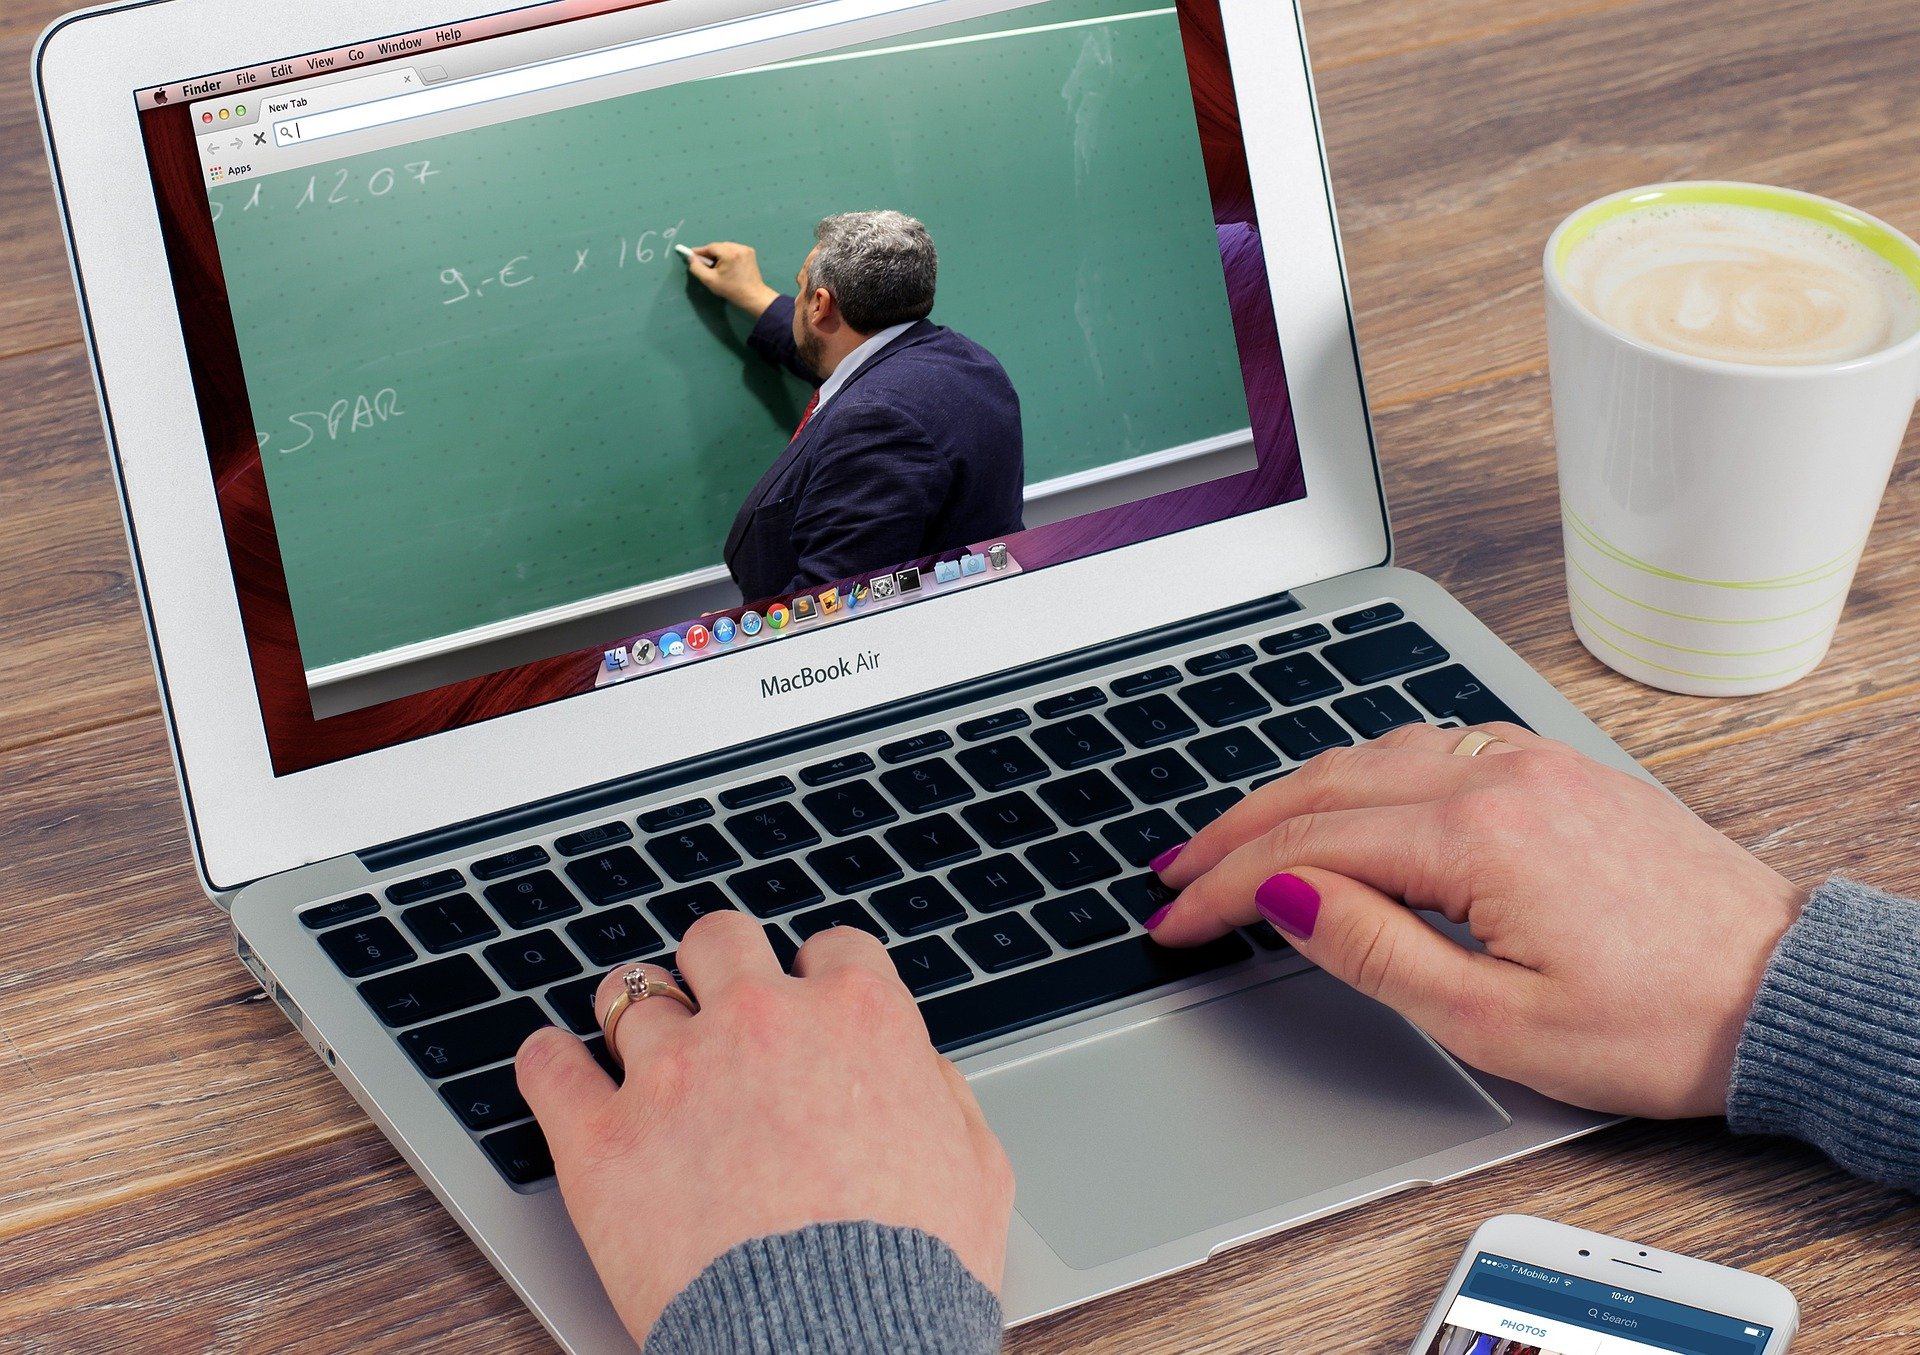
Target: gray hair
[(879, 267)]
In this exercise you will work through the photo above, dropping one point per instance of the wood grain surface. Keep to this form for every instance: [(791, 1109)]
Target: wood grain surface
[(180, 1174)]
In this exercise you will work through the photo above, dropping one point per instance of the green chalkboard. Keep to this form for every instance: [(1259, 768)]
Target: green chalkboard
[(485, 385)]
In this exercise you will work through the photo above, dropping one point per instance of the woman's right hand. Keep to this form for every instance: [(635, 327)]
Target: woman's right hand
[(1624, 938)]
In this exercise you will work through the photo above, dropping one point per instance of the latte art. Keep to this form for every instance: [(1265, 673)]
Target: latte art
[(1742, 284)]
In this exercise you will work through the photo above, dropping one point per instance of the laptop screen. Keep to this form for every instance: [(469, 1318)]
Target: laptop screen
[(556, 349)]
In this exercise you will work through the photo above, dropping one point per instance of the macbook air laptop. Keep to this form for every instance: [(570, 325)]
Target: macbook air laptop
[(430, 450)]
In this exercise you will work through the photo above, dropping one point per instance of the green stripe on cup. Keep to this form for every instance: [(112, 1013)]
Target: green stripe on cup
[(1839, 564), (1882, 239), (1613, 625), (1685, 672), (1593, 579)]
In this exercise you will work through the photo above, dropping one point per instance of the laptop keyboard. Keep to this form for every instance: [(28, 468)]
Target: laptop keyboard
[(1002, 859)]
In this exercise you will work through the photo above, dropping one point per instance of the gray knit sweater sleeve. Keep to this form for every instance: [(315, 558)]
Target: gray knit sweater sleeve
[(833, 1289), (1831, 1051)]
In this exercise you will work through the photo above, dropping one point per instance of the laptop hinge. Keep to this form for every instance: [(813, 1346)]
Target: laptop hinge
[(528, 818)]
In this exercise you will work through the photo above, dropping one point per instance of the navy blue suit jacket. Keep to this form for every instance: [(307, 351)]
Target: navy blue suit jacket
[(918, 452)]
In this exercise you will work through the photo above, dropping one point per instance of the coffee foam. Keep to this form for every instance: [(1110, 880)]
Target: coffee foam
[(1742, 284)]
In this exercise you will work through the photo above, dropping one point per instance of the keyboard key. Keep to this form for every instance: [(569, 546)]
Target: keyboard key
[(1077, 743), (412, 891), (532, 900), (1144, 836), (1265, 937), (574, 1001), (917, 906), (854, 866), (785, 949), (836, 769), (1080, 919), (591, 839), (905, 750), (742, 797), (1159, 776), (1379, 655), (1454, 692), (613, 876), (855, 807), (1151, 680), (1002, 764), (509, 863), (1087, 797), (462, 1043), (1233, 755), (1368, 618), (666, 819), (1000, 722), (773, 831), (532, 960), (1141, 896), (774, 889), (996, 883), (1297, 638), (615, 935), (1009, 820), (1376, 711), (928, 844), (1084, 979), (1234, 656), (925, 786), (1001, 943), (1296, 680), (448, 924), (340, 910), (1202, 810), (520, 1153), (698, 852), (1224, 700), (487, 1099), (928, 965), (428, 991), (1071, 861), (809, 925), (1302, 733), (684, 907), (367, 948), (1152, 722), (1069, 703)]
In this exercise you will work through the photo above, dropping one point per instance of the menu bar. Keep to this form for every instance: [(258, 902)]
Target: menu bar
[(252, 78)]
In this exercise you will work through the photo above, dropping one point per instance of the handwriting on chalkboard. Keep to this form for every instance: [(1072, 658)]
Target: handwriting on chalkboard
[(348, 415), (341, 187), (648, 247)]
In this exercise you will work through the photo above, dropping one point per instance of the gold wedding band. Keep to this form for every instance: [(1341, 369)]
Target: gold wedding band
[(639, 986), (1475, 743)]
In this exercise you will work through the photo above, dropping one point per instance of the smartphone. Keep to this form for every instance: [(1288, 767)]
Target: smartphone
[(1527, 1286)]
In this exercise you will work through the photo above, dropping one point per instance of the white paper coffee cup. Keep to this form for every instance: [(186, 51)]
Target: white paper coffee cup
[(1714, 512)]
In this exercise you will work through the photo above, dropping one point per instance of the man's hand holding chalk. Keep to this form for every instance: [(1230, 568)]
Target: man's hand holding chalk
[(731, 272)]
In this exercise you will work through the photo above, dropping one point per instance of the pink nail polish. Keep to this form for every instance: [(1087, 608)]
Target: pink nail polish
[(1166, 858), (1159, 916), (1289, 903)]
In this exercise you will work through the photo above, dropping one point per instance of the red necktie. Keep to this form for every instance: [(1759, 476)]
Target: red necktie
[(812, 405)]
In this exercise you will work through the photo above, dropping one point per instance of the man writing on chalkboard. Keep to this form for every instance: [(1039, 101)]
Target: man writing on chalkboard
[(911, 444)]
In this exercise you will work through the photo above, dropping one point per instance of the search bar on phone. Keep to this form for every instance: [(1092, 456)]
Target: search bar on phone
[(573, 70)]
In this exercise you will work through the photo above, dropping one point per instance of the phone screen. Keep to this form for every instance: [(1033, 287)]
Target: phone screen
[(1508, 1307)]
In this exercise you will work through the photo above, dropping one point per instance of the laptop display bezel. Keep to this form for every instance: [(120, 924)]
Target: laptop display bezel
[(247, 823)]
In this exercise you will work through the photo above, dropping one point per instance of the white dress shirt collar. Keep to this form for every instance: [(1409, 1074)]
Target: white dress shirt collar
[(857, 359)]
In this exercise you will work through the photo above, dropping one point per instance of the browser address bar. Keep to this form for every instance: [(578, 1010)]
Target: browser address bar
[(572, 70)]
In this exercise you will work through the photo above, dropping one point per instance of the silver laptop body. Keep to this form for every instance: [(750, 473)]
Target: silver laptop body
[(1154, 1118)]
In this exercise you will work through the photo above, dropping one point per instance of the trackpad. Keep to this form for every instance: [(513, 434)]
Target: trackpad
[(1222, 1111)]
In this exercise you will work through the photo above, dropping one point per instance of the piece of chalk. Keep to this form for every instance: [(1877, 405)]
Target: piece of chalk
[(692, 257)]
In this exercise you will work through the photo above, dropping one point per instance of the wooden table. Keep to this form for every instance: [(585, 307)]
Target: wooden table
[(181, 1174)]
